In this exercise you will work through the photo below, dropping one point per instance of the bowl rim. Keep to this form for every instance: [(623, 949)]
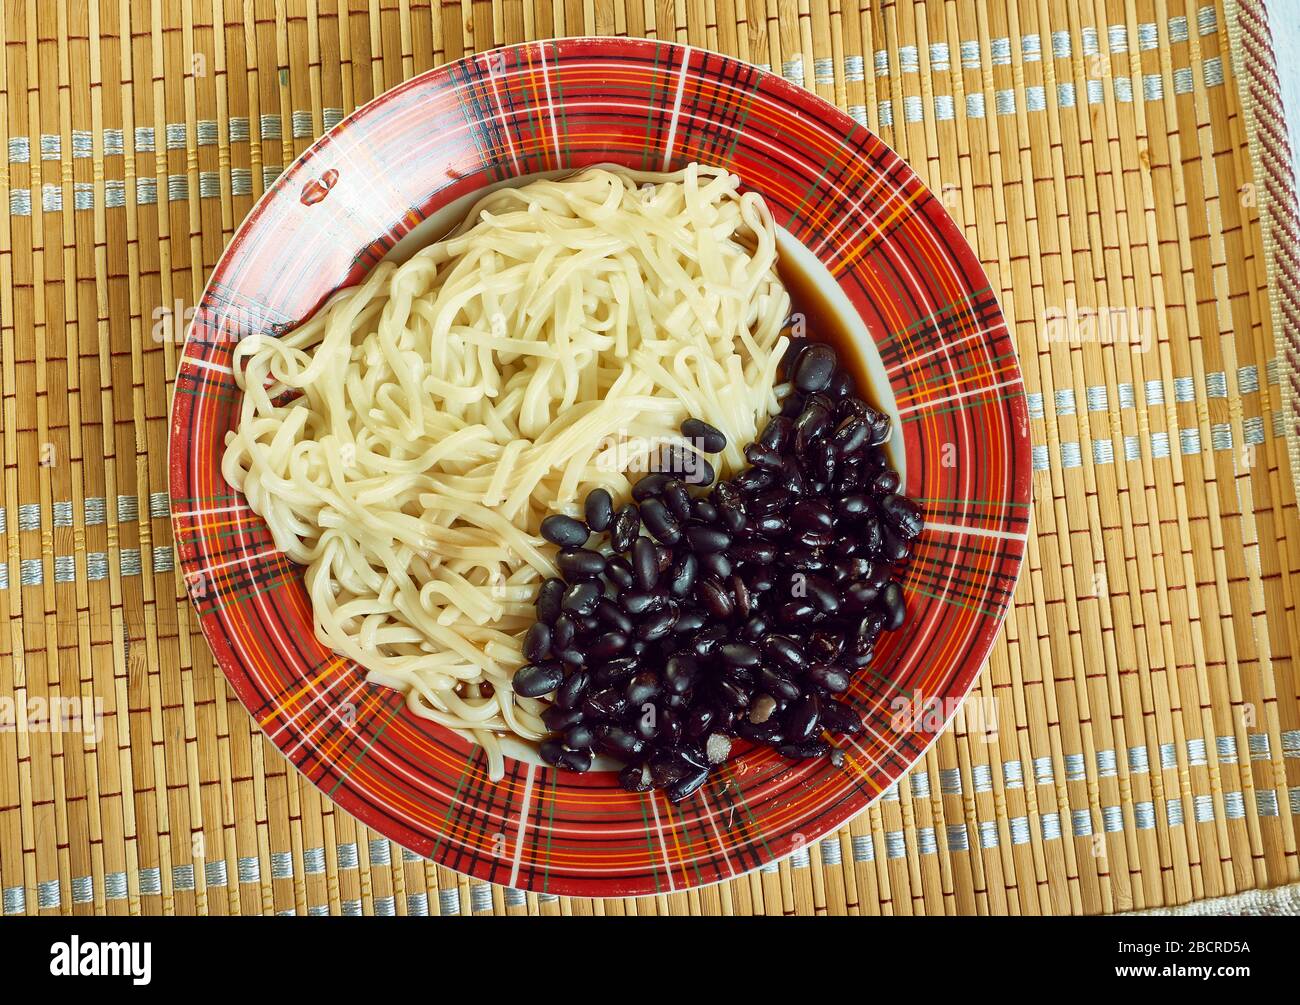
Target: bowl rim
[(831, 117)]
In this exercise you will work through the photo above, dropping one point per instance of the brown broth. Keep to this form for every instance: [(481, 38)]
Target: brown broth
[(824, 323)]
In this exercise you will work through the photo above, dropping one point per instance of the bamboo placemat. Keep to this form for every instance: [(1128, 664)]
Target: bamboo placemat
[(1105, 165)]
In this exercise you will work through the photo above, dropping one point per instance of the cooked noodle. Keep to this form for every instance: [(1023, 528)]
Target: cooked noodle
[(406, 442)]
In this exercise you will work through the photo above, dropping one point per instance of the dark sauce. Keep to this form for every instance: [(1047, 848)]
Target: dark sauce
[(822, 322)]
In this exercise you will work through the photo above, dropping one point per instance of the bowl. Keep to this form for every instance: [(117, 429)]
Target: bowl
[(886, 256)]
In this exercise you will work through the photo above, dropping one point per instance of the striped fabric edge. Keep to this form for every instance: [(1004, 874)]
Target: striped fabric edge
[(1272, 163)]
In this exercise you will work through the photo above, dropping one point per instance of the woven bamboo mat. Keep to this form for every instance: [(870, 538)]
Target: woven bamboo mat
[(1126, 202)]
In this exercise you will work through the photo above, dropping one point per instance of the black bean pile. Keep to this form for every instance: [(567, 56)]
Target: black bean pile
[(743, 610)]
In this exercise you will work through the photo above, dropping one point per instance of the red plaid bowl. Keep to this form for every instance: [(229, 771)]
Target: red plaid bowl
[(939, 339)]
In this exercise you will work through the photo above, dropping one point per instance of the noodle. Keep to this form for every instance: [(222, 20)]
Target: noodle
[(406, 442)]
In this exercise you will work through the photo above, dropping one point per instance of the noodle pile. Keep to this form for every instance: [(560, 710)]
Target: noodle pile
[(406, 442)]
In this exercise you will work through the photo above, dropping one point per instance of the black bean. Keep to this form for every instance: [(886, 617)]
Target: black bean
[(830, 677), (783, 651), (771, 501), (612, 615), (657, 625), (619, 571), (759, 578), (825, 647), (796, 612), (840, 718), (650, 485), (753, 480), (841, 384), (716, 598), (768, 731), (638, 602), (682, 578), (598, 509), (802, 719), (811, 423), (687, 465), (687, 787), (704, 511), (646, 725), (821, 466), (580, 563), (860, 654), (763, 456), (677, 499), (756, 551), (893, 547), (690, 621), (710, 438), (537, 642), (754, 628), (568, 694), (580, 737), (572, 657), (894, 607), (704, 540), (885, 482), (731, 693), (575, 760), (715, 564), (778, 434), (565, 531), (581, 597), (815, 368), (699, 721), (732, 516), (807, 751), (858, 597), (641, 688), (551, 751), (645, 563), (744, 603), (659, 522), (606, 703), (606, 647), (850, 435), (670, 723), (881, 427), (536, 679), (558, 719), (706, 642), (822, 594), (667, 766), (548, 600), (852, 506), (564, 631), (616, 670), (740, 654), (812, 515), (902, 514), (680, 674), (625, 528), (778, 685), (770, 525), (803, 559), (618, 741), (663, 557)]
